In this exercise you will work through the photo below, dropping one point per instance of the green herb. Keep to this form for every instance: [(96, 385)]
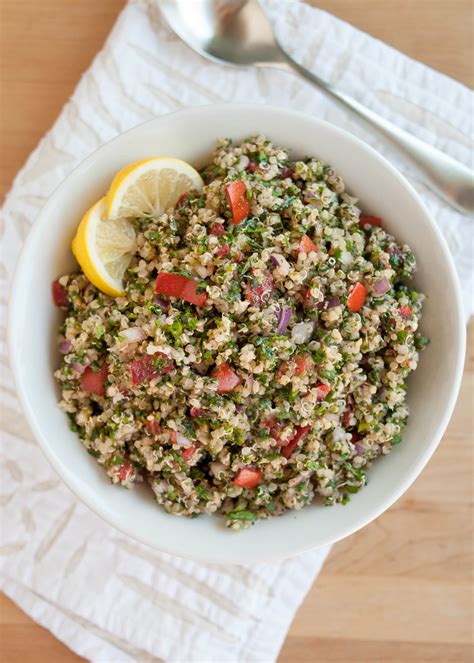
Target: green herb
[(421, 341), (202, 493), (241, 515), (396, 439), (117, 460), (99, 332)]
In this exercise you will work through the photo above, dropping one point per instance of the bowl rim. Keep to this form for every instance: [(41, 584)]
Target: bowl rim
[(35, 424)]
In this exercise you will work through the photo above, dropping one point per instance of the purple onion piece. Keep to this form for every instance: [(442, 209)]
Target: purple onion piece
[(357, 210), (275, 261), (284, 319), (79, 368), (332, 302), (161, 303), (359, 448), (239, 407), (381, 286), (64, 347)]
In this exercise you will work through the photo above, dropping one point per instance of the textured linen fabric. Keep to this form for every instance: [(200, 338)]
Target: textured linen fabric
[(106, 596)]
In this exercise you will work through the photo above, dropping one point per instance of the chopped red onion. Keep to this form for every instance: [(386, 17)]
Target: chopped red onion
[(283, 319), (357, 211), (359, 448), (275, 261), (132, 335), (239, 407), (64, 347), (243, 162), (161, 303), (332, 302), (286, 172), (382, 286), (302, 332), (182, 440), (79, 368)]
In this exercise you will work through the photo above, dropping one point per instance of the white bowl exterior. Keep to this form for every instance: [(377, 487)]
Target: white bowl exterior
[(191, 135)]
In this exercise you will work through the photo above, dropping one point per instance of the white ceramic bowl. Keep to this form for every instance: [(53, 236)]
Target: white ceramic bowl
[(34, 321)]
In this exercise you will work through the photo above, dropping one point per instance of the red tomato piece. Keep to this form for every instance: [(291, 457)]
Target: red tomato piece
[(308, 300), (307, 245), (94, 382), (218, 230), (323, 390), (236, 193), (153, 426), (238, 257), (197, 412), (181, 200), (59, 294), (149, 367), (188, 452), (286, 172), (346, 417), (357, 297), (370, 221), (227, 379), (125, 470), (259, 294), (303, 364), (406, 312), (173, 435), (248, 477), (183, 287), (288, 449), (252, 167), (223, 251)]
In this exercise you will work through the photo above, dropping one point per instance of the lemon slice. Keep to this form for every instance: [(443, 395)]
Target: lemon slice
[(104, 248), (149, 187)]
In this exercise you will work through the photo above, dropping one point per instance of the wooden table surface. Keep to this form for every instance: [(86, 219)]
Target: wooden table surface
[(400, 589)]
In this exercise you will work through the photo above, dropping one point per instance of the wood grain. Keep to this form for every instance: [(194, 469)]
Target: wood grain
[(400, 589)]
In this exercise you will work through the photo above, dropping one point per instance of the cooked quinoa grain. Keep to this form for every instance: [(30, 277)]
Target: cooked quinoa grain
[(276, 373)]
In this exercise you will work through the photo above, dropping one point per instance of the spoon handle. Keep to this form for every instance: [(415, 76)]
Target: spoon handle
[(450, 179)]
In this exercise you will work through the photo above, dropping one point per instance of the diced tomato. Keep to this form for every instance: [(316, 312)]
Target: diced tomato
[(173, 435), (150, 367), (357, 297), (236, 193), (370, 221), (125, 470), (183, 287), (153, 426), (248, 477), (323, 390), (218, 230), (227, 379), (303, 364), (286, 172), (346, 417), (308, 300), (307, 245), (59, 293), (197, 412), (406, 312), (181, 200), (94, 382), (252, 167), (188, 452), (288, 449), (238, 257), (258, 294), (223, 251)]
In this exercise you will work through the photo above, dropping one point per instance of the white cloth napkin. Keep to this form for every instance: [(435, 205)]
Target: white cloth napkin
[(107, 597)]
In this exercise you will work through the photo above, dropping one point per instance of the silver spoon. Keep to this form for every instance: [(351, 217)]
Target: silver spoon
[(238, 32)]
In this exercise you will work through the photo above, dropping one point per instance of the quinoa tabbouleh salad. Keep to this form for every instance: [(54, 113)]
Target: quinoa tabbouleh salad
[(257, 357)]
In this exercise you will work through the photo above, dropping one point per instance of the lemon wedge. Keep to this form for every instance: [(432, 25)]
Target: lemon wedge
[(104, 248), (149, 187)]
